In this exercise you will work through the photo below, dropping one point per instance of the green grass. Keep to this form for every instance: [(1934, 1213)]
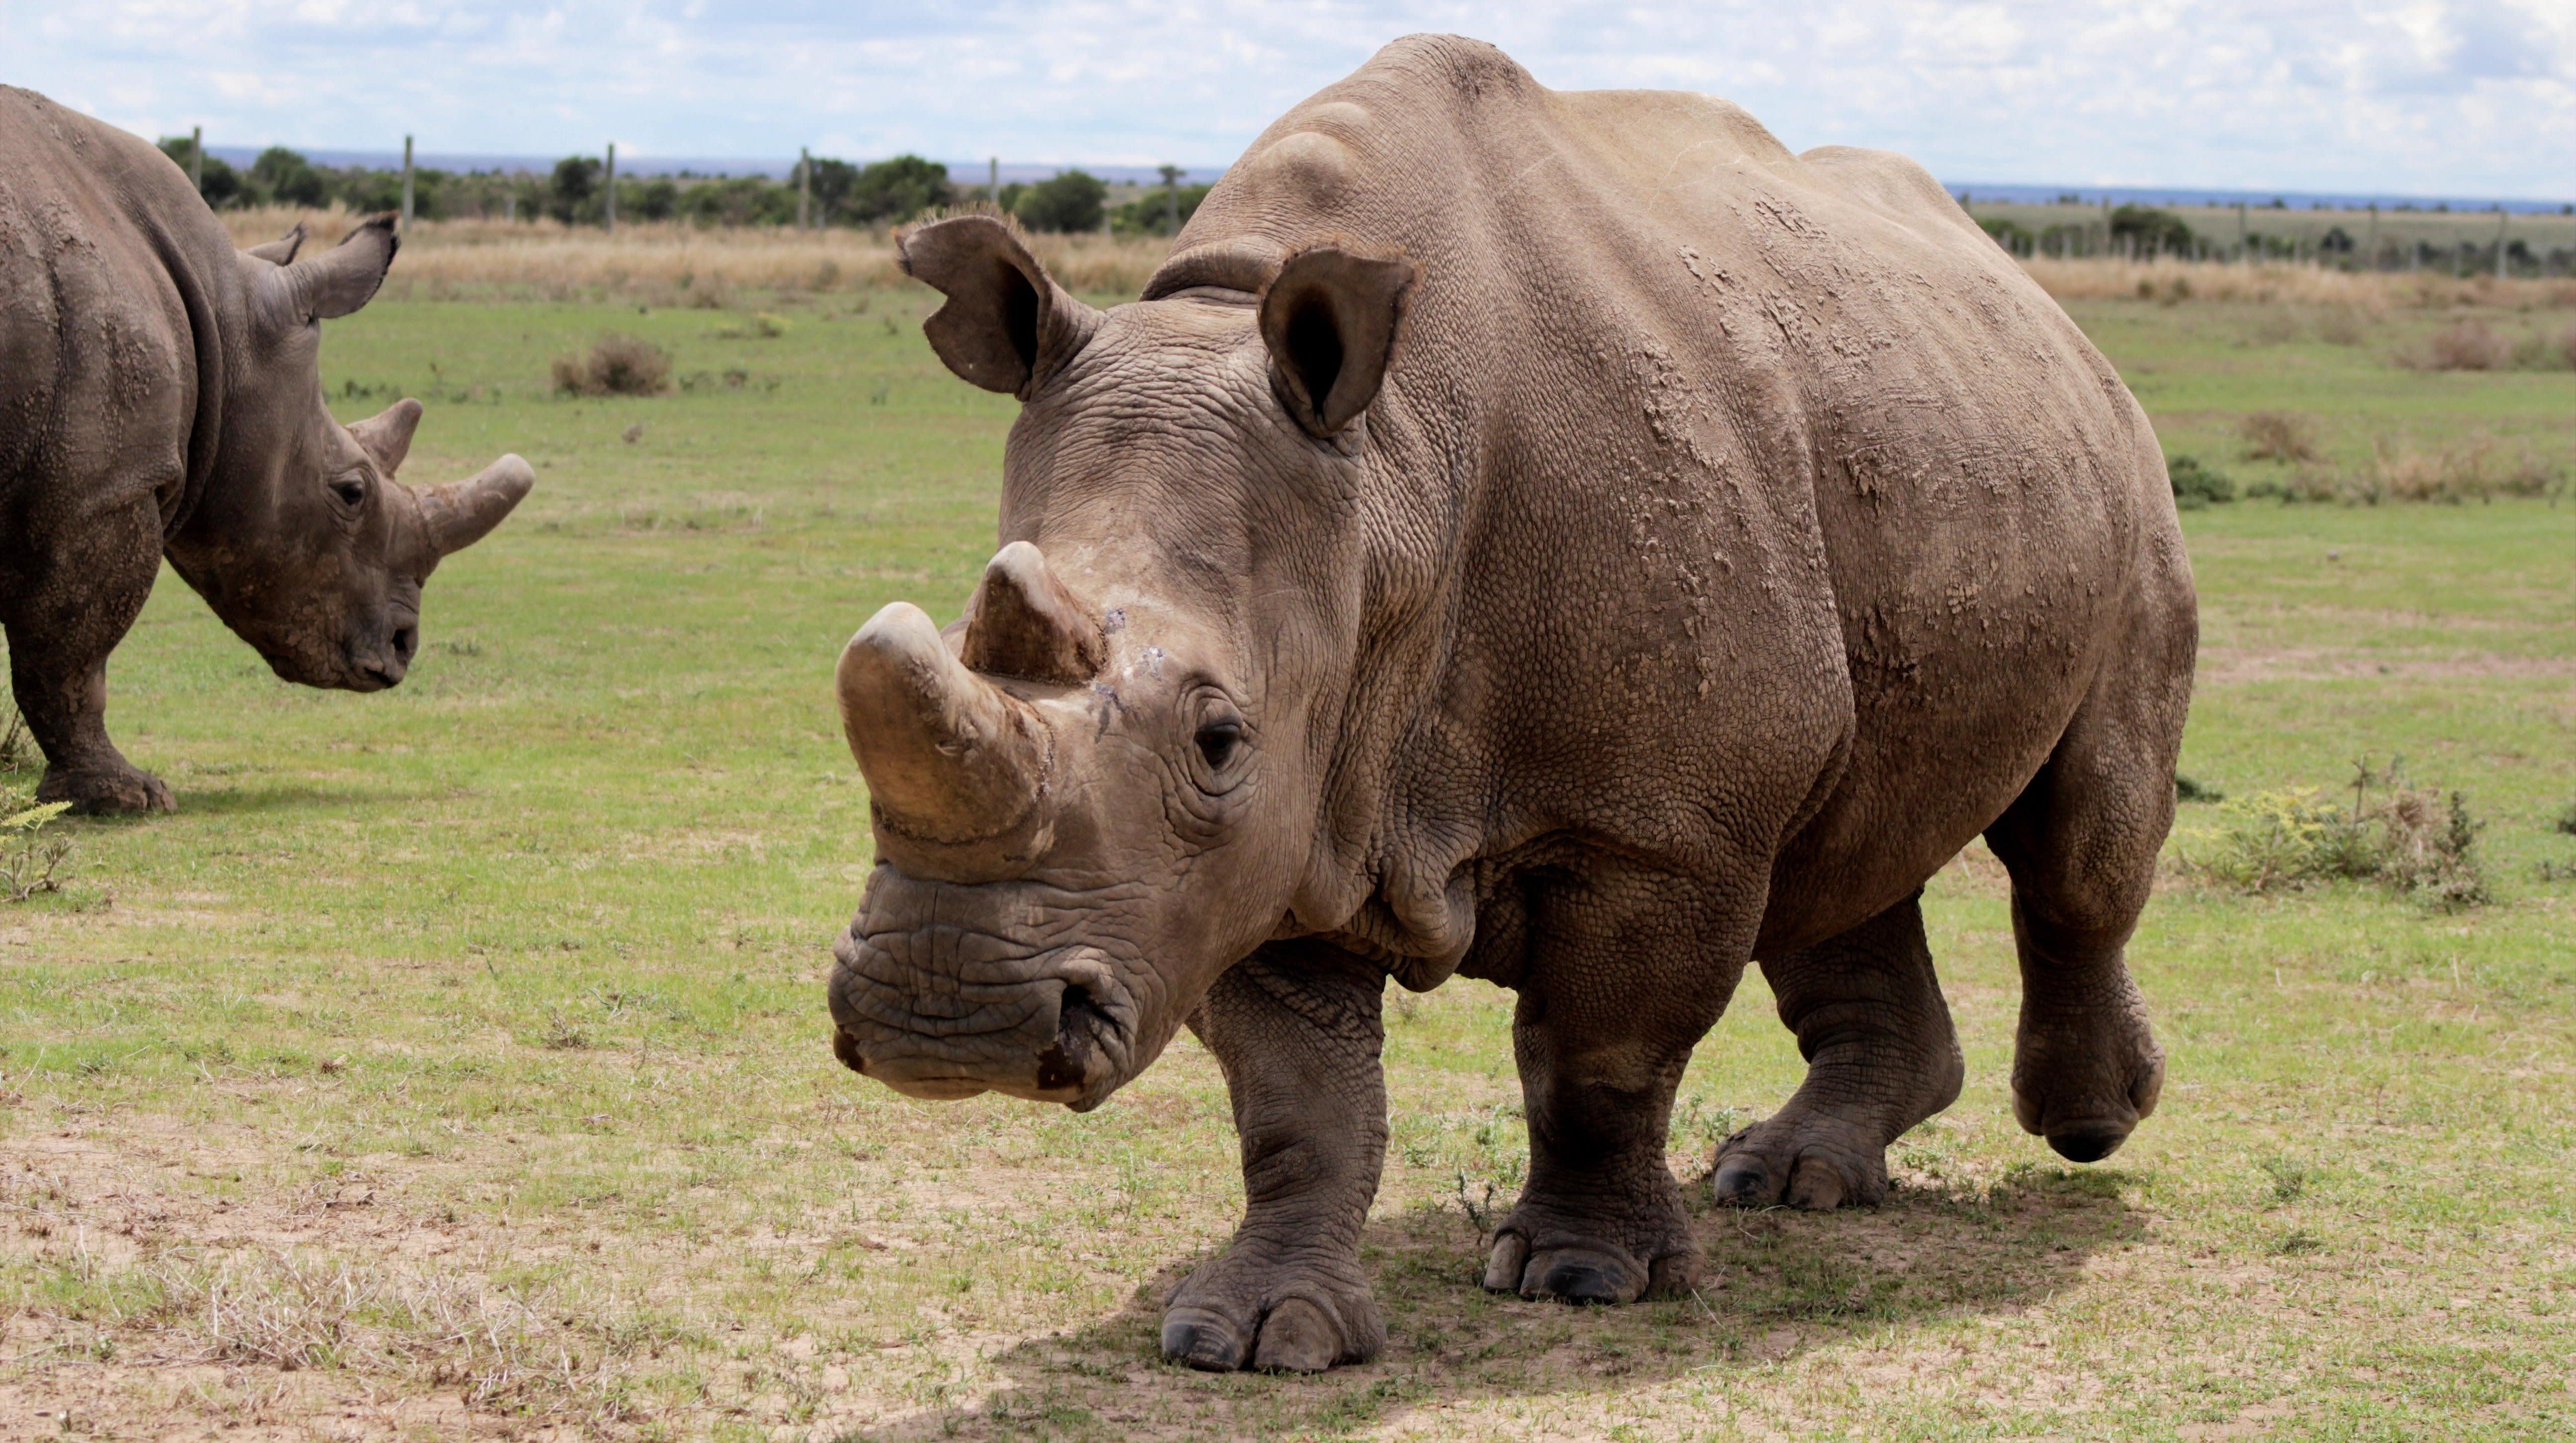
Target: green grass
[(464, 1046)]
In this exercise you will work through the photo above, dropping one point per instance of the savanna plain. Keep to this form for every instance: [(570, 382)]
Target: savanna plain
[(454, 1062)]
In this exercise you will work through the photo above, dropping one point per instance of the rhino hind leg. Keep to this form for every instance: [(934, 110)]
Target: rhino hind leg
[(59, 641), (2081, 843), (1297, 1029), (1881, 1057)]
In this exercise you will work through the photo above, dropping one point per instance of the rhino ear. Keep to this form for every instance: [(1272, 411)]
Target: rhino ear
[(339, 280), (1331, 321), (1007, 325), (386, 435), (280, 251)]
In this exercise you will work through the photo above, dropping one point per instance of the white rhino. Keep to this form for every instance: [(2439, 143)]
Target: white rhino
[(1563, 539)]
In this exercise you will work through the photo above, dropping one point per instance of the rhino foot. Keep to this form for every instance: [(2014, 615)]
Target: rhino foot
[(107, 792), (1243, 1310), (1806, 1161), (1604, 1260), (2084, 1080)]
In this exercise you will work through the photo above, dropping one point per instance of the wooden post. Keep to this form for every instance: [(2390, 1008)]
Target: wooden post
[(993, 180), (612, 187), (2243, 256), (1172, 199), (197, 159), (406, 211), (804, 187), (2374, 235), (2501, 216)]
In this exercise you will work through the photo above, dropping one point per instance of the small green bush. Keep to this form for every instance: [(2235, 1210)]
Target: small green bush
[(2196, 486), (2415, 841)]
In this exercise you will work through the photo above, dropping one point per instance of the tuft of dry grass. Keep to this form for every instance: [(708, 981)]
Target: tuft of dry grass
[(2279, 436), (2470, 345), (615, 366)]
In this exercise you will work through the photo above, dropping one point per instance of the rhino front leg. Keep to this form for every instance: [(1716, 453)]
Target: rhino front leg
[(60, 635), (1881, 1057), (1296, 1027), (1625, 976)]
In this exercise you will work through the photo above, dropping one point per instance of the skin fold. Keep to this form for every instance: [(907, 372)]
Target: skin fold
[(161, 395), (1562, 539)]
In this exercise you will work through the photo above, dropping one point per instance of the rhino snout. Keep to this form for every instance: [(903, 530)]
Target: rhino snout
[(941, 1015)]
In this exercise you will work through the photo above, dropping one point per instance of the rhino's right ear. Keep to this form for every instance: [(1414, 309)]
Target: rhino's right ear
[(1331, 321), (1007, 325), (339, 280), (280, 251)]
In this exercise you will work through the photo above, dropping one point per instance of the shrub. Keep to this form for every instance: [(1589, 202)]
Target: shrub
[(2465, 346), (616, 366), (1071, 202), (2196, 486), (2415, 841), (2278, 436)]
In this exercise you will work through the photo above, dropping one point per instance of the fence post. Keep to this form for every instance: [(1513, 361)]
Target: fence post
[(2501, 216), (406, 211), (612, 187), (993, 181), (804, 187), (197, 159)]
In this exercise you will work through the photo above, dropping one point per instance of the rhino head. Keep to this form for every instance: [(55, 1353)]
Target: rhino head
[(1108, 781), (301, 539)]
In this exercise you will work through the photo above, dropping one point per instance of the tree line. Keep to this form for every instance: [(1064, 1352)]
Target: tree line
[(576, 192)]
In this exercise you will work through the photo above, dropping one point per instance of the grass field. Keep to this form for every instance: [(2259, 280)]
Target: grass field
[(454, 1062)]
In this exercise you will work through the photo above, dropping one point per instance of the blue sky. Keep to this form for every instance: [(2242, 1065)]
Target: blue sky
[(2449, 97)]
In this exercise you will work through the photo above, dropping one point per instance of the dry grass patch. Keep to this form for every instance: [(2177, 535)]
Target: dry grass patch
[(615, 366), (2278, 436)]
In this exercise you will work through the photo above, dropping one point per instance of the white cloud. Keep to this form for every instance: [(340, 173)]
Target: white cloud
[(2458, 97)]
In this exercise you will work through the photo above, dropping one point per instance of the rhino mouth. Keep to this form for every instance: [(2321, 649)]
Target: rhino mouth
[(935, 1013)]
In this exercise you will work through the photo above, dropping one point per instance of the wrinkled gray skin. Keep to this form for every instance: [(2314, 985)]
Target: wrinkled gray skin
[(1560, 539), (160, 394)]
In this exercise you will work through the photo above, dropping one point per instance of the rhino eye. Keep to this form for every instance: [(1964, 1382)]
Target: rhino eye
[(352, 490), (1217, 742)]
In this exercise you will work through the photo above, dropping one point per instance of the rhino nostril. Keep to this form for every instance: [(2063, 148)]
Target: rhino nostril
[(406, 642)]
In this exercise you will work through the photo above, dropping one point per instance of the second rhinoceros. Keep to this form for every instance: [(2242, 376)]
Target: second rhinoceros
[(160, 395), (1563, 539)]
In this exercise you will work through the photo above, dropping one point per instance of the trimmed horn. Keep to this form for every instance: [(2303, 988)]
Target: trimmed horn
[(1023, 623), (948, 757), (387, 434), (461, 513)]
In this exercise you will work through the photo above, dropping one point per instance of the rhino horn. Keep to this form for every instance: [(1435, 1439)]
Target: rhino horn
[(947, 756), (1024, 623), (387, 434), (461, 513)]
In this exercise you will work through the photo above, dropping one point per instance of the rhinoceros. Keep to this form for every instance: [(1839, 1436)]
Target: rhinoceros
[(1557, 538), (160, 395)]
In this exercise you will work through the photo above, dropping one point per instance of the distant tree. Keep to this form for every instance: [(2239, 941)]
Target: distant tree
[(2156, 230), (2013, 237), (655, 199), (1009, 199), (1150, 213), (2335, 242), (283, 177), (1069, 203), (573, 194), (218, 182)]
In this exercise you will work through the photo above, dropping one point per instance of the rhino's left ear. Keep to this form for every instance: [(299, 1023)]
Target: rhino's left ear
[(339, 280), (1331, 320), (280, 251), (1007, 325)]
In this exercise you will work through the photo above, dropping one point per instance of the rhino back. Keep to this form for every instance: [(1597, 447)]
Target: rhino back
[(1772, 512), (105, 320)]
